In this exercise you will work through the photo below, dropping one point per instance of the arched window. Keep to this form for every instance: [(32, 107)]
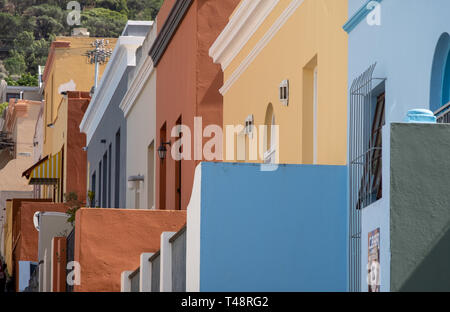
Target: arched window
[(440, 74), (271, 136)]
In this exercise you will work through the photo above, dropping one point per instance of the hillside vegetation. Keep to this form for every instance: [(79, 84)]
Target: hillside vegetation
[(27, 28)]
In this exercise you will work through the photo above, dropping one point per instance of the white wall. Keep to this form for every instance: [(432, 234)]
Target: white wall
[(141, 125)]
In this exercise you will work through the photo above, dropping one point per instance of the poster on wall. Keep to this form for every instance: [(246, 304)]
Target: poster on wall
[(373, 265)]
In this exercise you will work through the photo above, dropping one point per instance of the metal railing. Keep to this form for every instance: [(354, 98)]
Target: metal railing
[(443, 114), (178, 245), (135, 279)]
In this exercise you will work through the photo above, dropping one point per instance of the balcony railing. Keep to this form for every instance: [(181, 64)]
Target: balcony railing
[(443, 114)]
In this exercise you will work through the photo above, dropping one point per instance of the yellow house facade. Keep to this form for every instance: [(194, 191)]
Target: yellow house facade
[(285, 67), (67, 69)]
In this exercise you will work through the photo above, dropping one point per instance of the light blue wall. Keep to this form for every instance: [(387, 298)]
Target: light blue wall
[(284, 230), (403, 47)]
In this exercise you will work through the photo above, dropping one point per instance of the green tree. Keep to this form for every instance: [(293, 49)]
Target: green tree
[(103, 22), (28, 80), (33, 51), (47, 20), (143, 9), (15, 64)]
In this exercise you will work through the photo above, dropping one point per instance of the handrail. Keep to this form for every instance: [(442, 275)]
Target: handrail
[(441, 109), (178, 234), (135, 272), (155, 255)]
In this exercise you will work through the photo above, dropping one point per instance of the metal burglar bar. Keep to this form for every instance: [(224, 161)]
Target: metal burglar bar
[(443, 114), (366, 121)]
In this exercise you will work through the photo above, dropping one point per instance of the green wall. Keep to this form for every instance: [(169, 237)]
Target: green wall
[(420, 207)]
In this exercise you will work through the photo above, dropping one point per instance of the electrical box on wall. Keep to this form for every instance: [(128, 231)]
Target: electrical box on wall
[(284, 92)]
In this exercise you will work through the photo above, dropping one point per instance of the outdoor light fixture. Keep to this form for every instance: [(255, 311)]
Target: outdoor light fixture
[(133, 181), (51, 125), (162, 150), (85, 148)]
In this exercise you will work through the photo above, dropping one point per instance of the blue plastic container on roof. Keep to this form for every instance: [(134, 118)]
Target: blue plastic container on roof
[(420, 116)]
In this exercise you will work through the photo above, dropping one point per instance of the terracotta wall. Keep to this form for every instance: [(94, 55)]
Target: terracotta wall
[(193, 91), (59, 264), (110, 241), (26, 246), (164, 13), (76, 158)]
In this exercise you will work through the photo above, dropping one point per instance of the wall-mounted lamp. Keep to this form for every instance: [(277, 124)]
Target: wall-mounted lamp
[(133, 181), (103, 141), (51, 125), (162, 151), (85, 148)]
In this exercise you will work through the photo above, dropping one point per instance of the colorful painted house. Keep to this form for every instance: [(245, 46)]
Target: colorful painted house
[(139, 109), (16, 154), (67, 69), (64, 169), (285, 76), (187, 93), (104, 123), (399, 75)]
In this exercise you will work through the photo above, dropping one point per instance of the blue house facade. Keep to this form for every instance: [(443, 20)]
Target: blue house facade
[(398, 61), (105, 125)]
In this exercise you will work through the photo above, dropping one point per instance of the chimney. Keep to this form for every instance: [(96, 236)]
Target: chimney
[(80, 32)]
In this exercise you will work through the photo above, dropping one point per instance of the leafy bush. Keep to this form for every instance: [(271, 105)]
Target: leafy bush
[(3, 106), (71, 199)]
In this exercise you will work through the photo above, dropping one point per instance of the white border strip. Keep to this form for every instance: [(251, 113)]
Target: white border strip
[(287, 13)]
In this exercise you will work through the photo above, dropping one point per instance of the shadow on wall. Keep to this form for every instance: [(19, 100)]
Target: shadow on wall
[(432, 273)]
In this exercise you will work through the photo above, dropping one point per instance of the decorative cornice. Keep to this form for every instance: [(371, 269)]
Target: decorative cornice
[(124, 55), (136, 86), (282, 19), (246, 20), (359, 16), (168, 30)]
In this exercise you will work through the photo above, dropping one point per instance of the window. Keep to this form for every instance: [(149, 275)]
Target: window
[(105, 181), (440, 80), (271, 136), (151, 176), (93, 190), (178, 171), (100, 184), (109, 175), (117, 172), (162, 171), (367, 117)]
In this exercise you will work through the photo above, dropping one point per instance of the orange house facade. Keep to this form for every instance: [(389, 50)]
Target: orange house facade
[(191, 98)]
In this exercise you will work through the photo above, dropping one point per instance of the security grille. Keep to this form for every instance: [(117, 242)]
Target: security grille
[(365, 150)]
